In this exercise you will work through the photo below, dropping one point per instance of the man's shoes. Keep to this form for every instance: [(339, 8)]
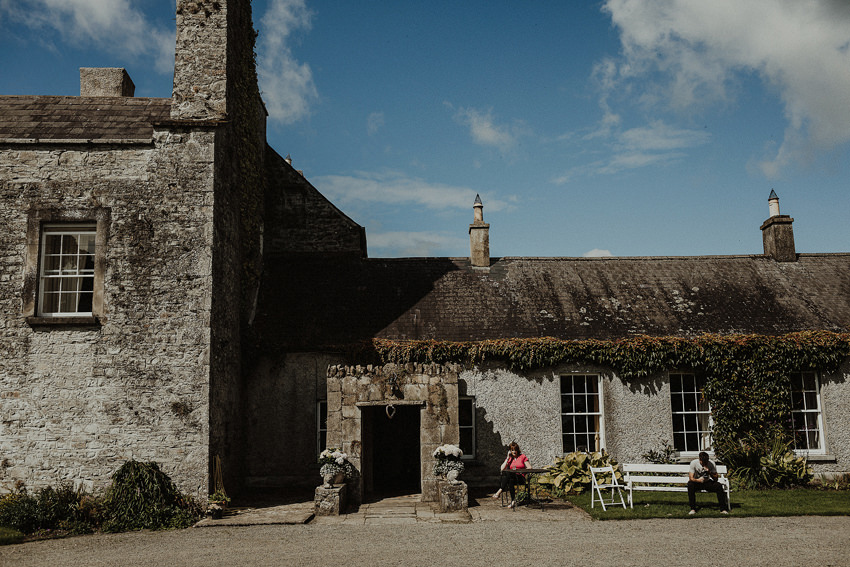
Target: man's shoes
[(692, 512), (513, 504), (499, 493), (724, 511)]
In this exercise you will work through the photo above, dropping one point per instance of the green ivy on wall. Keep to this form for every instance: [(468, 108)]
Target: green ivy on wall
[(747, 376)]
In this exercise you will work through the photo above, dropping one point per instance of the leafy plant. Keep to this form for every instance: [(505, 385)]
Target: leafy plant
[(570, 474), (664, 455), (48, 509), (219, 497), (756, 462), (143, 497)]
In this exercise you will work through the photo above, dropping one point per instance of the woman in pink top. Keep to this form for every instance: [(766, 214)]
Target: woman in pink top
[(515, 460)]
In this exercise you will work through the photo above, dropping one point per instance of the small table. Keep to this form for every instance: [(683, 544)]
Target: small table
[(528, 474)]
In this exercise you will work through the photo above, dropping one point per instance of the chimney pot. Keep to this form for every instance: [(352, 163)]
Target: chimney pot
[(479, 237)]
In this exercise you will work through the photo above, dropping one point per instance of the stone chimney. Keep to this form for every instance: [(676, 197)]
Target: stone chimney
[(777, 234), (479, 237), (201, 60), (105, 81)]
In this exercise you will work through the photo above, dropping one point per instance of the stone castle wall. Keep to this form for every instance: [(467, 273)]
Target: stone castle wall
[(78, 400)]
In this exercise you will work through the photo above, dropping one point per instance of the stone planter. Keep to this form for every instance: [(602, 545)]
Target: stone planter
[(330, 501), (453, 496)]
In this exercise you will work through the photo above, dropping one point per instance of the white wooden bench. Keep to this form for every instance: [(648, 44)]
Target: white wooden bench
[(661, 477)]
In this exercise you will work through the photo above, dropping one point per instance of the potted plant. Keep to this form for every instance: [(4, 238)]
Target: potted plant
[(448, 464), (216, 504), (335, 467)]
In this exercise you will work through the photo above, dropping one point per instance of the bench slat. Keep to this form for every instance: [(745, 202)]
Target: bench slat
[(648, 467), (657, 479)]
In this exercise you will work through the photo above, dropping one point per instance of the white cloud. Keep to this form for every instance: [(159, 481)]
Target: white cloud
[(800, 48), (483, 129), (395, 187), (413, 243), (597, 253), (110, 24), (374, 122), (654, 144), (287, 85)]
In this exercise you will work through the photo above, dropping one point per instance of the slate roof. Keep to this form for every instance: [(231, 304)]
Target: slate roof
[(339, 301), (47, 118)]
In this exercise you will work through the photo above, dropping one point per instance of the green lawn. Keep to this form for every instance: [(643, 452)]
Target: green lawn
[(8, 535), (798, 502)]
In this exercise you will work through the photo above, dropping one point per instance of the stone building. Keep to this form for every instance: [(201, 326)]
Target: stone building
[(173, 290)]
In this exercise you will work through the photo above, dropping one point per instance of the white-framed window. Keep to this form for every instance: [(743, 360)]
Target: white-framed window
[(806, 416), (692, 421), (466, 424), (581, 412), (321, 426), (66, 270)]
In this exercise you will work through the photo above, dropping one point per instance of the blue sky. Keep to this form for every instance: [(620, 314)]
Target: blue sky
[(620, 127)]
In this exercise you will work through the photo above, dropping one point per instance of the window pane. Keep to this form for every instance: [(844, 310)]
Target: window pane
[(85, 302), (811, 400), (566, 404), (52, 243), (51, 265), (677, 402), (466, 440), (68, 303), (86, 242), (808, 380), (567, 424), (796, 399), (69, 244), (578, 384), (690, 422), (464, 412), (690, 401), (679, 441), (50, 303), (591, 383), (580, 404)]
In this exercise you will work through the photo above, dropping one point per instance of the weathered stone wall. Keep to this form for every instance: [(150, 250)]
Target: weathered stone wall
[(77, 401), (301, 220), (835, 401), (281, 436)]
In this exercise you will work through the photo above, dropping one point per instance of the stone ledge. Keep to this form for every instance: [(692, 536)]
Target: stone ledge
[(94, 321)]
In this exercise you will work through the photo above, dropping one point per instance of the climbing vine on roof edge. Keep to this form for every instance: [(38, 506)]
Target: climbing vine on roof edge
[(747, 376)]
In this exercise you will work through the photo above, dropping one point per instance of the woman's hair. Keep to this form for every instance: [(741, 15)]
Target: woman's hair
[(514, 446)]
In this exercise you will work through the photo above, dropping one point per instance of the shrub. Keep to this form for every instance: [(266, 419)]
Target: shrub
[(19, 510), (570, 474), (755, 462), (664, 455), (48, 509), (143, 497)]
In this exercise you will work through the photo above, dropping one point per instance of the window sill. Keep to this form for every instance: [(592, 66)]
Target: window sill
[(91, 321), (818, 458)]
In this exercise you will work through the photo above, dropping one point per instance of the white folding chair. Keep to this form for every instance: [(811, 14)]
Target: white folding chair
[(597, 486)]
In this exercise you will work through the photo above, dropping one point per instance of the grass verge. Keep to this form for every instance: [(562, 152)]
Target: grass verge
[(9, 536), (745, 503)]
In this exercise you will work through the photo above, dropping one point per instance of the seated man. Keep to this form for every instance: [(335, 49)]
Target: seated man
[(702, 476)]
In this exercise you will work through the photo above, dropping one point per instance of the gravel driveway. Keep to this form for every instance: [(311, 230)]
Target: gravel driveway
[(816, 541)]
